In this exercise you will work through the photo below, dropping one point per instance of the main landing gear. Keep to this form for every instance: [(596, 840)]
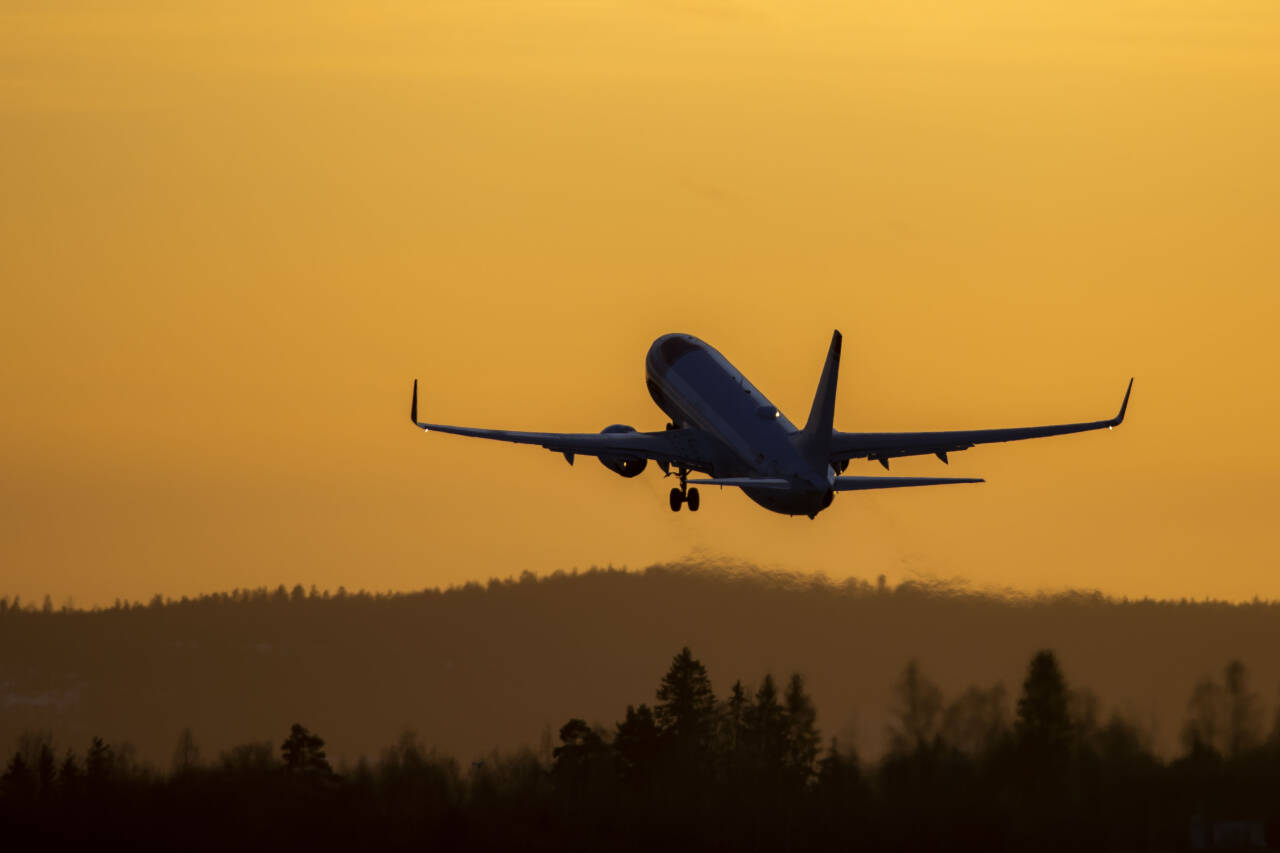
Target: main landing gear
[(684, 495)]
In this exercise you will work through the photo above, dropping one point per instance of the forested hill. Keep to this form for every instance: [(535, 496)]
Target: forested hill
[(498, 665)]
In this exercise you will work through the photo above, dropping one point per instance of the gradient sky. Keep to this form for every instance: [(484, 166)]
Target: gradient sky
[(232, 234)]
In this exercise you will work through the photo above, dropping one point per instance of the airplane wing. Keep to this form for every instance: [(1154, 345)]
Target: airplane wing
[(883, 446), (677, 446), (842, 484)]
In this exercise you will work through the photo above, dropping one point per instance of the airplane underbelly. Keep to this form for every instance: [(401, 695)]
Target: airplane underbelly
[(790, 502)]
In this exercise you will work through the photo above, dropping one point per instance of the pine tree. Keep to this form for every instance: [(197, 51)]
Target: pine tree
[(46, 770), (636, 744), (186, 755), (686, 713), (17, 782), (1044, 721), (303, 752), (801, 731), (1243, 711), (734, 739), (100, 761), (69, 772), (767, 731)]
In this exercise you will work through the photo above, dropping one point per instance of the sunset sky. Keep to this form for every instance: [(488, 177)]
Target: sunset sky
[(232, 233)]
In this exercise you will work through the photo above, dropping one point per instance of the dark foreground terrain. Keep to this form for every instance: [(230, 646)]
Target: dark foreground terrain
[(689, 771)]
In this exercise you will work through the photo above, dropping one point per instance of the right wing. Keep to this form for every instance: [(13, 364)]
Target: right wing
[(884, 446), (681, 447)]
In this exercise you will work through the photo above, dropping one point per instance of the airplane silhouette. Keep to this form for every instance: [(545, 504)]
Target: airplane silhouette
[(721, 425)]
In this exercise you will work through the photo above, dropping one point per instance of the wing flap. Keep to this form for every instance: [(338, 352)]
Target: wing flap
[(744, 482)]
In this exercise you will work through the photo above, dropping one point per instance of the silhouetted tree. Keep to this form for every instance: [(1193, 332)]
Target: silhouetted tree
[(1044, 737), (69, 772), (257, 758), (841, 789), (917, 710), (18, 781), (735, 717), (1203, 732), (303, 752), (839, 772), (582, 761), (411, 778), (186, 755), (46, 769), (766, 734), (976, 721), (99, 764), (1243, 711), (1044, 722), (686, 713), (636, 743), (801, 731), (1223, 719)]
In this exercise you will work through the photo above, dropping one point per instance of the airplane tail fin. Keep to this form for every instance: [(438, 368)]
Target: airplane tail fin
[(815, 438)]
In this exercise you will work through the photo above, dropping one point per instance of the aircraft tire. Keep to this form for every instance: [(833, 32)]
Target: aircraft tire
[(693, 500), (676, 499)]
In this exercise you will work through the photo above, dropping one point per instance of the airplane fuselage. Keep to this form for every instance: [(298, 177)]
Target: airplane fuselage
[(697, 387)]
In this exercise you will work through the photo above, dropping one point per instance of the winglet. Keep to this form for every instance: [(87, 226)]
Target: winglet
[(413, 409), (1119, 419)]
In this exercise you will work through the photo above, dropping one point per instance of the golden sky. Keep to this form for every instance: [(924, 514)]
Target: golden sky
[(232, 233)]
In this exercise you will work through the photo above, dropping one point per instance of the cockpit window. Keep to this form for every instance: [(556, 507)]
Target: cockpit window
[(673, 348)]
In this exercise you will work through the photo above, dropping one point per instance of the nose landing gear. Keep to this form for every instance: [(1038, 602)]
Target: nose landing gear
[(684, 495)]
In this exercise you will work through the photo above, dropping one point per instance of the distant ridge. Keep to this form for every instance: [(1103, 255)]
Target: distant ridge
[(496, 664)]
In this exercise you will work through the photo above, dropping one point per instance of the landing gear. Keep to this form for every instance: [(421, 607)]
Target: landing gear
[(683, 494), (687, 496)]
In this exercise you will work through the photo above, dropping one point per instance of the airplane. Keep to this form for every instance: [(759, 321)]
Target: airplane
[(723, 426)]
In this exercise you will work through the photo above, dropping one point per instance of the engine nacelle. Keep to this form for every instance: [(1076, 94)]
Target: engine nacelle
[(627, 466)]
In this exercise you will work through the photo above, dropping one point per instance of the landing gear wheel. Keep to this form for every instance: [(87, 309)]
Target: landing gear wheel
[(692, 500), (677, 498)]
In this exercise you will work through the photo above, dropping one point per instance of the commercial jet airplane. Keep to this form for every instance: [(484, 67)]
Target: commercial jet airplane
[(722, 426)]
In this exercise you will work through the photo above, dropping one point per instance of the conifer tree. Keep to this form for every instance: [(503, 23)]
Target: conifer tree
[(636, 744), (100, 761), (767, 730), (1044, 721), (686, 712), (303, 752), (801, 730)]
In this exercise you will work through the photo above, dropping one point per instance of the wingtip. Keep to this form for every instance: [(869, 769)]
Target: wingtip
[(1124, 404), (413, 408)]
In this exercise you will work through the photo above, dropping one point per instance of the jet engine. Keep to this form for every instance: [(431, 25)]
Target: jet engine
[(627, 466)]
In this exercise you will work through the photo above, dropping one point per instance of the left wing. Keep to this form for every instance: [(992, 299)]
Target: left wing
[(681, 447), (884, 446)]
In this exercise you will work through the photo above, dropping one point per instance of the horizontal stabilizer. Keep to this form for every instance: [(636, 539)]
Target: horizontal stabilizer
[(744, 482), (855, 484)]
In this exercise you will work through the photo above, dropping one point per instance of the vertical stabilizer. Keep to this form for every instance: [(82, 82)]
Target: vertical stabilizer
[(815, 438)]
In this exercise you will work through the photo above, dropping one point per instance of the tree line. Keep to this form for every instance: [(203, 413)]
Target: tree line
[(746, 770)]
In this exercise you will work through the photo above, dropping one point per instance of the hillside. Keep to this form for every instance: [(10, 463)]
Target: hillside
[(495, 665)]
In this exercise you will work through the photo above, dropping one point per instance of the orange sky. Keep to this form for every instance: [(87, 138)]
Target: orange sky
[(232, 233)]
